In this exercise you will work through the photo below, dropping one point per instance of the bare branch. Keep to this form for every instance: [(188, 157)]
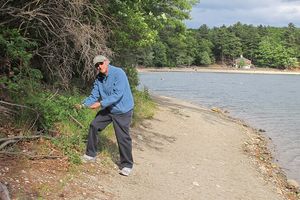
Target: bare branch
[(75, 120), (4, 144), (68, 38), (23, 106), (33, 157), (4, 194), (17, 138)]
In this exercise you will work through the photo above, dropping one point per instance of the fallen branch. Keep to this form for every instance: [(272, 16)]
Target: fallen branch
[(18, 105), (53, 95), (7, 143), (75, 120), (25, 138), (23, 106), (32, 157), (4, 194)]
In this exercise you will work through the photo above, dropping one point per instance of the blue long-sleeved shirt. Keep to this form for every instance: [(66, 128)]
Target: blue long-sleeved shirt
[(113, 91)]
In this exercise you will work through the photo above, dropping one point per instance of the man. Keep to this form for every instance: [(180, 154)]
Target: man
[(111, 92)]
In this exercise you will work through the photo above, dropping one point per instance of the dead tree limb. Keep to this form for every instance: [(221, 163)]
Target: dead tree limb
[(25, 138), (4, 194), (75, 120), (4, 144), (23, 106), (32, 157)]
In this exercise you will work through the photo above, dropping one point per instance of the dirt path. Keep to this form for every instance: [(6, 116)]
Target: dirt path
[(187, 152)]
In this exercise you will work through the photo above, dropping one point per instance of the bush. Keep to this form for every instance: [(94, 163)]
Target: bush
[(15, 48), (144, 106), (132, 76)]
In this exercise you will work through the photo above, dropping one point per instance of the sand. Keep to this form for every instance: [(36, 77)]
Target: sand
[(189, 152)]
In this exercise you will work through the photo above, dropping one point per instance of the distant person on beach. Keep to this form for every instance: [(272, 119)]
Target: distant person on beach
[(111, 92)]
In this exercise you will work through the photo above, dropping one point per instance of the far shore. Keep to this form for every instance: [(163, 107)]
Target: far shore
[(220, 69)]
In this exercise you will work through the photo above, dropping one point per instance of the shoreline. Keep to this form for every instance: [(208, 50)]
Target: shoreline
[(187, 151), (257, 147), (220, 70)]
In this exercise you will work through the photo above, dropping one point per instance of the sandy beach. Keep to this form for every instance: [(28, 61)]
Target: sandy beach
[(219, 69), (189, 152)]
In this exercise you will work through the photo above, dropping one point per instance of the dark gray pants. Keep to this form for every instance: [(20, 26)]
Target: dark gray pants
[(121, 123)]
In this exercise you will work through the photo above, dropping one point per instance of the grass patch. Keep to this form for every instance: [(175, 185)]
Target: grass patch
[(144, 106)]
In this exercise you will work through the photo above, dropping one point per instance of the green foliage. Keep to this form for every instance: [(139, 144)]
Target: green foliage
[(15, 47), (160, 54), (249, 37), (52, 113), (273, 54), (144, 106), (56, 114), (204, 52), (141, 22), (205, 58), (241, 63), (132, 76), (16, 50), (227, 45)]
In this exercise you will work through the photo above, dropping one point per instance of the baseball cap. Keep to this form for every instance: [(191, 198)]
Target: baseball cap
[(99, 58)]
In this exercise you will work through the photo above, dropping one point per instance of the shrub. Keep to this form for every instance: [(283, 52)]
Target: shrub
[(132, 76)]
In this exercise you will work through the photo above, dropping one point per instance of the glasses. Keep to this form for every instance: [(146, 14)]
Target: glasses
[(97, 64)]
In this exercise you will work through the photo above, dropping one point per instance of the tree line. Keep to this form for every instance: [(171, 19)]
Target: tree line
[(265, 46)]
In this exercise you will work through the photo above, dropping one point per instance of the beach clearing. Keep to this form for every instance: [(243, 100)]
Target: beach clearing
[(188, 152)]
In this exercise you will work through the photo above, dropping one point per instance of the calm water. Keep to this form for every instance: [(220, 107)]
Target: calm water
[(269, 102)]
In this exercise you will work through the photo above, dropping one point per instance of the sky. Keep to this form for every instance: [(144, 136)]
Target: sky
[(216, 13)]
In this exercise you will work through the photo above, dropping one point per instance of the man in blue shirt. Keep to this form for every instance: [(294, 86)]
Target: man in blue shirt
[(111, 92)]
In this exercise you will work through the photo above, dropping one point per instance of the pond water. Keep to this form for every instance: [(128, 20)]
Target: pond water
[(268, 102)]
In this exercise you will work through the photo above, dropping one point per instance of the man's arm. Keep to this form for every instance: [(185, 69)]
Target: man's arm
[(94, 96)]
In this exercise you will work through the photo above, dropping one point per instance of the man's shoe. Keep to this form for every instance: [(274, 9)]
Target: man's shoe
[(85, 158), (125, 171)]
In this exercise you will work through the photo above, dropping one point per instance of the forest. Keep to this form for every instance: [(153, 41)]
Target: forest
[(47, 49), (265, 46)]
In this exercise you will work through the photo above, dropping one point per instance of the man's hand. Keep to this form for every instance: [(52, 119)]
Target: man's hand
[(78, 106), (95, 105)]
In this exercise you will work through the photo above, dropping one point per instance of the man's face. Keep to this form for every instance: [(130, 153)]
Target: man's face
[(103, 67)]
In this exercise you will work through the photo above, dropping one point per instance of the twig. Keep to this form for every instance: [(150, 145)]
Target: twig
[(24, 138), (23, 106), (75, 120), (4, 144), (4, 194), (31, 156), (18, 105), (53, 95)]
